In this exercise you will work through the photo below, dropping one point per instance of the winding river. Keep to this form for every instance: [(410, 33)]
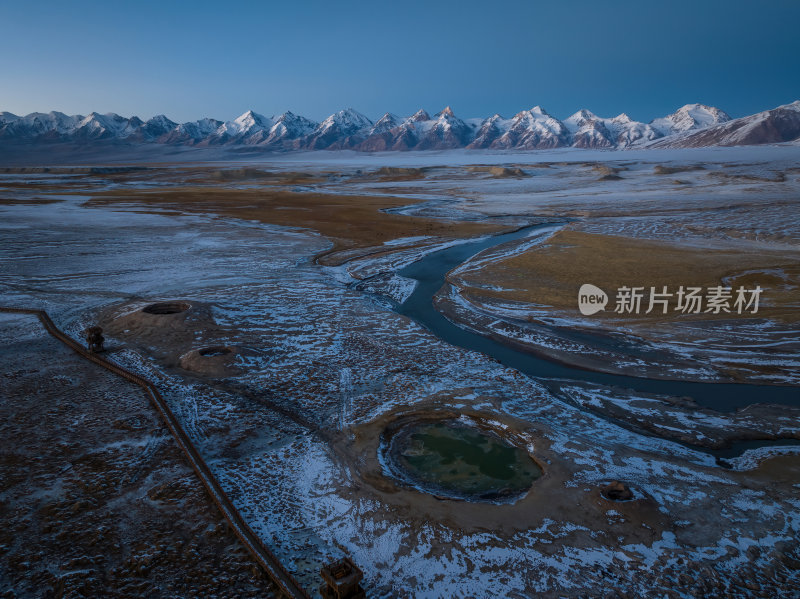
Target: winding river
[(430, 273)]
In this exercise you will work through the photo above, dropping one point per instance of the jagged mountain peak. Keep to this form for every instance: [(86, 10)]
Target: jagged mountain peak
[(687, 108), (349, 117), (585, 114), (419, 115), (445, 131), (387, 117), (193, 131), (387, 122), (348, 113), (91, 117), (286, 116), (153, 128), (690, 117), (535, 113), (579, 119), (162, 119), (291, 119), (289, 127), (105, 126), (57, 114), (250, 119), (98, 116), (342, 129), (493, 120)]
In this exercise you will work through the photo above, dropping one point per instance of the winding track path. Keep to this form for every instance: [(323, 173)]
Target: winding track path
[(282, 578)]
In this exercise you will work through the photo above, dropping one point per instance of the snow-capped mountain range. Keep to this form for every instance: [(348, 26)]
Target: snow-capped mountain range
[(691, 125)]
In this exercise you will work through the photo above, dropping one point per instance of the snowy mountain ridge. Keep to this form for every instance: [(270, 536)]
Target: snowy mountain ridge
[(692, 124)]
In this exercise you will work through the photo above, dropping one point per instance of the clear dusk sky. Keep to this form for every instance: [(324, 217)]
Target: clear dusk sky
[(190, 59)]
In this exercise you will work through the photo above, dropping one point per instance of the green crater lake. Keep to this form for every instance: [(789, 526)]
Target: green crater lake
[(456, 460)]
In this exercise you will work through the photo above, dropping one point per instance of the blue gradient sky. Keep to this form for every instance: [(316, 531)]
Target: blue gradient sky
[(194, 59)]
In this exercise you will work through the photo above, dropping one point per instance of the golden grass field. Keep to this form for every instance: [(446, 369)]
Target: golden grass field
[(551, 274)]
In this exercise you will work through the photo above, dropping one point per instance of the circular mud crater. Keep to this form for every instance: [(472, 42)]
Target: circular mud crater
[(216, 360), (217, 350), (458, 458), (164, 308)]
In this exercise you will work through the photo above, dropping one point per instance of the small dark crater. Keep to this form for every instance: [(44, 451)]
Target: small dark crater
[(210, 352), (162, 308)]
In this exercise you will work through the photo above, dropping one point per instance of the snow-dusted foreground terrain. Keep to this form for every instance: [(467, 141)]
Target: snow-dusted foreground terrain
[(293, 431)]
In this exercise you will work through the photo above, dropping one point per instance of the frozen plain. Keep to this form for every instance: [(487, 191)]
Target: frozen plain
[(310, 344)]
